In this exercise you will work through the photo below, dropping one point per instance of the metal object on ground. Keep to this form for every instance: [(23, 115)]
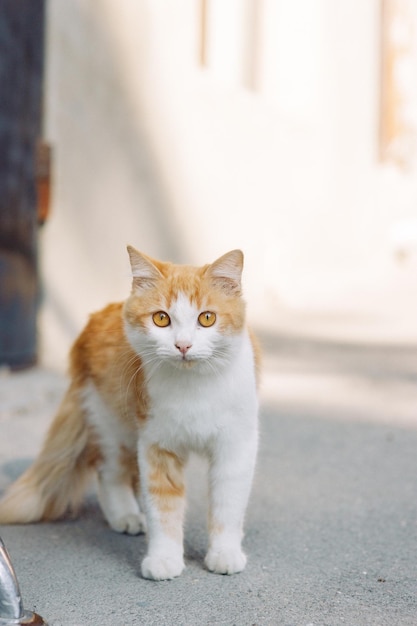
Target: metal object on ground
[(11, 606)]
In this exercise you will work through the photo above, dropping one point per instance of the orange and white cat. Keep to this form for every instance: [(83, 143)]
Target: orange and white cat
[(170, 371)]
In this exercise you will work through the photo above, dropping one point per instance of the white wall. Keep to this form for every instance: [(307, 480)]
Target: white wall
[(185, 163)]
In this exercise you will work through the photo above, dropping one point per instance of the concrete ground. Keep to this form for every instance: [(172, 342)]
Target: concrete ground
[(331, 532)]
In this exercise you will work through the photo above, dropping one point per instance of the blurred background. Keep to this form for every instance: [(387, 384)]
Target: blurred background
[(187, 128), (287, 128)]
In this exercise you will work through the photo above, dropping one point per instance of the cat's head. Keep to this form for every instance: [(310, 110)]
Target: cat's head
[(185, 316)]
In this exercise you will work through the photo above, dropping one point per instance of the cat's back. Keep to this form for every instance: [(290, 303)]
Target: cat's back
[(98, 343), (102, 357)]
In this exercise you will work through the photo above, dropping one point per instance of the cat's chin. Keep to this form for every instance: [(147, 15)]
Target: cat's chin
[(200, 366), (185, 364)]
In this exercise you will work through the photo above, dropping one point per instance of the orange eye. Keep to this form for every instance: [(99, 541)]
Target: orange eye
[(207, 318), (161, 319)]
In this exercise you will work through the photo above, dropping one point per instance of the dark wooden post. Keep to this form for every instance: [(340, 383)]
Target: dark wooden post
[(21, 73)]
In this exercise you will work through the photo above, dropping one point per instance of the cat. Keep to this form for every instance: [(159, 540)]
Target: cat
[(171, 370)]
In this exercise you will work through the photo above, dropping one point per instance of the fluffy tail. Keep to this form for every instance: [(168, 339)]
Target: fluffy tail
[(55, 484)]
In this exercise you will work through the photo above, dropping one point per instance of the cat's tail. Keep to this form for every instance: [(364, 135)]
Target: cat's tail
[(55, 484)]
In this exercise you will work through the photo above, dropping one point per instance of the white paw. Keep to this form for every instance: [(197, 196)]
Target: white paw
[(132, 524), (225, 561), (161, 568)]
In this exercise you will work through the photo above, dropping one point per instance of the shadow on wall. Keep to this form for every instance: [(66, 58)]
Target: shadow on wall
[(108, 191)]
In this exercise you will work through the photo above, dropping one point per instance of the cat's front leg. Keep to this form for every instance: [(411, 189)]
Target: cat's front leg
[(117, 492), (164, 498), (231, 473)]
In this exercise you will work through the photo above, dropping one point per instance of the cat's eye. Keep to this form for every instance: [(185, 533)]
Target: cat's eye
[(207, 318), (162, 319)]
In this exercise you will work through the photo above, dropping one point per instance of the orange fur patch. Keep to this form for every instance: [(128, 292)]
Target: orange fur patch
[(166, 482), (102, 354), (257, 354), (166, 486)]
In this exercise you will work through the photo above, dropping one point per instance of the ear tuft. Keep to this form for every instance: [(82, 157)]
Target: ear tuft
[(226, 272), (144, 272)]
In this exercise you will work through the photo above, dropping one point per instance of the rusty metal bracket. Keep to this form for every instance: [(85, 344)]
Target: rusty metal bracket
[(43, 169)]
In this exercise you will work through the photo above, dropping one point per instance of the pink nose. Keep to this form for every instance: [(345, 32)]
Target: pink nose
[(183, 347)]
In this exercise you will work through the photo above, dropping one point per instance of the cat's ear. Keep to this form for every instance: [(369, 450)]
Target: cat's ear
[(144, 272), (226, 272)]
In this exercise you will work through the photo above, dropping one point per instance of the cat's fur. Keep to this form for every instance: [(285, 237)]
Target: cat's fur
[(141, 391)]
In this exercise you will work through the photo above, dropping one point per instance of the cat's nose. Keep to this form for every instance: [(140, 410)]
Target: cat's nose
[(183, 347)]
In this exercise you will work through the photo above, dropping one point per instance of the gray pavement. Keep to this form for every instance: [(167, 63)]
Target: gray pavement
[(331, 532)]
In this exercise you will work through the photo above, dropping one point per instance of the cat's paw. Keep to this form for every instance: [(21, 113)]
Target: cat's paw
[(131, 524), (225, 561), (161, 568)]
